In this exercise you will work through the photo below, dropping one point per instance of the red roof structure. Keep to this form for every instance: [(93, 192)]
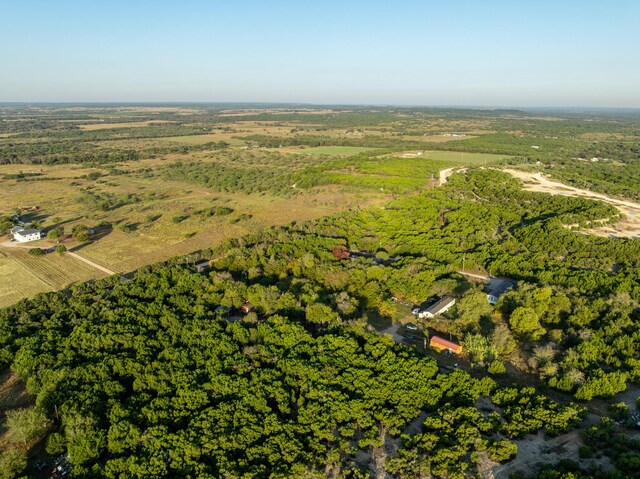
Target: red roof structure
[(442, 344), (340, 252)]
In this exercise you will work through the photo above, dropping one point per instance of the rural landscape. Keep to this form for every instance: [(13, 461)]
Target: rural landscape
[(371, 292), (319, 240)]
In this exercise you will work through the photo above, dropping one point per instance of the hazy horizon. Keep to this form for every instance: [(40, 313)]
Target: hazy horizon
[(493, 54)]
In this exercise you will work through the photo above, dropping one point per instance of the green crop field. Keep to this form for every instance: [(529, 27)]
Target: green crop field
[(460, 157)]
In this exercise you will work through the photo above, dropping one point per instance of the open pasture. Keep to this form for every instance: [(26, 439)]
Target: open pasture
[(458, 157), (328, 150), (149, 218), (56, 270), (17, 282), (203, 139), (108, 126)]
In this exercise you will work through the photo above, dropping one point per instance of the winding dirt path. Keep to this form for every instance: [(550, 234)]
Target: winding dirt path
[(447, 172)]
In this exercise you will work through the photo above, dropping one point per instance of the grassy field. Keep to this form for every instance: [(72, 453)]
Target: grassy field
[(406, 171), (107, 126), (382, 183), (456, 157), (17, 282), (233, 133), (333, 150), (203, 139), (23, 275), (163, 221)]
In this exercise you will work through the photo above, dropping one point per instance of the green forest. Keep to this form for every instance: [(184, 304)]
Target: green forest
[(151, 378), (270, 362)]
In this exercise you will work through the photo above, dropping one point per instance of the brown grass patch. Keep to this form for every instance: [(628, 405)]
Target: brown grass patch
[(108, 126)]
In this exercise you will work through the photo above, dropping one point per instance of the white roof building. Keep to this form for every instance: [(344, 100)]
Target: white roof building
[(22, 235), (441, 306)]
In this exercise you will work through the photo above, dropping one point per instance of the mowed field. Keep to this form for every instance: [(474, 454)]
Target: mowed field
[(17, 282), (23, 275), (455, 156), (408, 171), (328, 150)]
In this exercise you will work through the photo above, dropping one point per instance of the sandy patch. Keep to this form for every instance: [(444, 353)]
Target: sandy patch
[(627, 227)]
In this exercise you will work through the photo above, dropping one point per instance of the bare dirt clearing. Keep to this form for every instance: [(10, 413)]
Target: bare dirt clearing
[(539, 448), (13, 394), (629, 225)]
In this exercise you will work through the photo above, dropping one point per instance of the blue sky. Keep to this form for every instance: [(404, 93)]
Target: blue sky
[(491, 53)]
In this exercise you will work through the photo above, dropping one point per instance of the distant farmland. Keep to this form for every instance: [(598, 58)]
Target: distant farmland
[(455, 156), (334, 150)]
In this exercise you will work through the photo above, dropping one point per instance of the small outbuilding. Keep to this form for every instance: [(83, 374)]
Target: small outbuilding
[(202, 266), (441, 344)]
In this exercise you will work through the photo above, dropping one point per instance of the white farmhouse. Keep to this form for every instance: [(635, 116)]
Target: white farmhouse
[(439, 307), (23, 236)]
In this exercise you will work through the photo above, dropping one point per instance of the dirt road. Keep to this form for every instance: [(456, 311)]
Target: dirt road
[(476, 276), (90, 263), (393, 332), (446, 173), (13, 244)]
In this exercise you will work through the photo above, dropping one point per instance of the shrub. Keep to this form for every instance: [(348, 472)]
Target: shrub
[(497, 367), (12, 463), (26, 424), (502, 451)]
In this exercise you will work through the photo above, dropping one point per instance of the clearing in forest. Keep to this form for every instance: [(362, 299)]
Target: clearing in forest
[(629, 225), (455, 156)]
